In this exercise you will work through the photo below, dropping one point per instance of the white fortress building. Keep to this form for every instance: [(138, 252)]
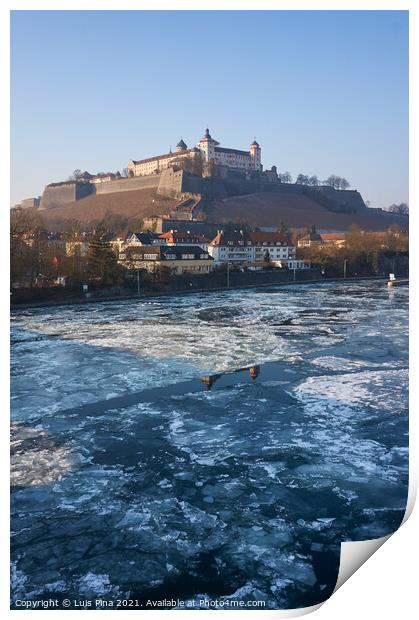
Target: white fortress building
[(207, 149)]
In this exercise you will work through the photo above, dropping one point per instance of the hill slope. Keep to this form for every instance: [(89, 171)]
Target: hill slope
[(297, 211), (258, 209), (134, 204)]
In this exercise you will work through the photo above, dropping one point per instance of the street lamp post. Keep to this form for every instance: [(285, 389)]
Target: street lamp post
[(228, 274), (138, 282), (345, 262), (394, 264)]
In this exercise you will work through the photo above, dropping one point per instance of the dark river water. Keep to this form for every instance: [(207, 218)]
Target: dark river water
[(236, 493)]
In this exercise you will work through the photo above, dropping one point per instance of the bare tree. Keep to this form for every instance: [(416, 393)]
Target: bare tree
[(333, 181), (283, 229), (336, 182), (302, 179), (400, 209), (285, 177), (75, 174)]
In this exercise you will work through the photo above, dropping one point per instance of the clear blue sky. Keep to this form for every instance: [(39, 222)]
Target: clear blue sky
[(323, 92)]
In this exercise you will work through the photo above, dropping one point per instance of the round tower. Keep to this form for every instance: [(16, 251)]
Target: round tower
[(255, 156)]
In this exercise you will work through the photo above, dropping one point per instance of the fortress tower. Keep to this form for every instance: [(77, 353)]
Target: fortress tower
[(181, 146), (255, 156), (207, 146)]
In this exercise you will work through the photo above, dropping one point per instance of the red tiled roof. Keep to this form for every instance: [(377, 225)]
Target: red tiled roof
[(180, 235), (255, 238), (333, 236), (223, 238), (268, 237)]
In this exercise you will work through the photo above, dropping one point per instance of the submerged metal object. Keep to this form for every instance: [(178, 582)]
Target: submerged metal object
[(254, 371), (218, 381)]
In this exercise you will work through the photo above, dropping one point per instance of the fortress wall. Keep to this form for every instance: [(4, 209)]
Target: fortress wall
[(58, 195), (192, 184), (29, 203), (126, 185), (171, 183), (350, 198), (83, 190), (346, 201), (217, 188)]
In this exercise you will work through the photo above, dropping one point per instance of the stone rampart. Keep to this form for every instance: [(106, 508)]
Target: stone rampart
[(175, 183), (342, 201), (57, 195), (171, 183), (30, 203), (127, 185)]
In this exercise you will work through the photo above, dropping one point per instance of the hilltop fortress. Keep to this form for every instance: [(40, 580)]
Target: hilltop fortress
[(207, 151), (205, 170), (209, 183)]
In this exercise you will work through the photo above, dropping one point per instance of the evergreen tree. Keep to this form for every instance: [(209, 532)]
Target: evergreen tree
[(101, 260)]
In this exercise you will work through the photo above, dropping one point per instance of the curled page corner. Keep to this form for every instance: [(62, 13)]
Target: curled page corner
[(411, 497), (354, 554)]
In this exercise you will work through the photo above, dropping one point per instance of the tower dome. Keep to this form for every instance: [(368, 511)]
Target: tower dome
[(181, 146)]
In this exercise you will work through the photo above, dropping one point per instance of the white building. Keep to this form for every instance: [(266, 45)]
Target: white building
[(277, 246), (127, 239), (251, 249), (207, 149), (105, 177)]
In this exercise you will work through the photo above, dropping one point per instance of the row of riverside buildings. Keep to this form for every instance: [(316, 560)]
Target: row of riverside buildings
[(186, 252), (182, 251)]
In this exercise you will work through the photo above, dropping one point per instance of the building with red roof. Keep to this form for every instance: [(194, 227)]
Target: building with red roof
[(251, 248)]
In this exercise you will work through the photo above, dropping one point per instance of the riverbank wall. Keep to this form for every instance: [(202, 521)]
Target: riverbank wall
[(25, 298)]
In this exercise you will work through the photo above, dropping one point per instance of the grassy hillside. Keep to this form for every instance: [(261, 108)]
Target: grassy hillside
[(296, 211), (260, 209), (134, 204)]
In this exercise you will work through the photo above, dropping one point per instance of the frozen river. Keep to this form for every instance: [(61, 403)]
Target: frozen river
[(242, 493)]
